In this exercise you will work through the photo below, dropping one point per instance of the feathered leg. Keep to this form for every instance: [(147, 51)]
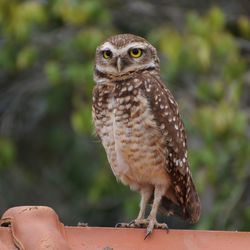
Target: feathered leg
[(140, 221), (145, 196), (152, 222)]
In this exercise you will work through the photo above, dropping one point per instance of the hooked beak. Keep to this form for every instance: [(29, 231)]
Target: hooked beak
[(119, 64)]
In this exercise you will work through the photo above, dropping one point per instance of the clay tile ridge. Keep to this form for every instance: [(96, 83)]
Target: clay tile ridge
[(39, 228)]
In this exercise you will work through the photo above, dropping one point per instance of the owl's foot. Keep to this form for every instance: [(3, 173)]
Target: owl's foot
[(152, 223), (142, 223), (124, 225)]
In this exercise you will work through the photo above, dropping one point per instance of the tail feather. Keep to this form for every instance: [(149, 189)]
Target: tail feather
[(190, 209), (168, 208), (193, 205)]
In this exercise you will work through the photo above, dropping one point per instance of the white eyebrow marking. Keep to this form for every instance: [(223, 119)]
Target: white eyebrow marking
[(115, 51)]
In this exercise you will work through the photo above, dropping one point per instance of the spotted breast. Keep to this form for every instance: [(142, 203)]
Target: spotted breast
[(134, 145)]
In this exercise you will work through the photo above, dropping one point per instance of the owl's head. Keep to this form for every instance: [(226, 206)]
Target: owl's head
[(123, 54)]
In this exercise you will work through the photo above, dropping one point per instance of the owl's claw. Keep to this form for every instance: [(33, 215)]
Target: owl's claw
[(120, 225), (126, 225), (150, 224), (142, 223), (154, 224)]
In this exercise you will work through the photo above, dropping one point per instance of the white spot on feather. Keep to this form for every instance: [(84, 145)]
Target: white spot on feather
[(127, 98), (130, 88)]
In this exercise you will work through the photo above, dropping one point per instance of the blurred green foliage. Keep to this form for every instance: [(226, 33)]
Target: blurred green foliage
[(48, 151)]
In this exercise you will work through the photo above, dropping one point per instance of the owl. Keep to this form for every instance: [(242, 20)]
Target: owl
[(138, 122)]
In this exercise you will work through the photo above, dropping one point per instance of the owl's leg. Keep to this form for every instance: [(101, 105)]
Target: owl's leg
[(152, 222), (146, 194), (140, 221)]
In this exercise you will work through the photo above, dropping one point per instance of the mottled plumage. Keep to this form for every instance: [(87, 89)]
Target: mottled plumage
[(138, 122)]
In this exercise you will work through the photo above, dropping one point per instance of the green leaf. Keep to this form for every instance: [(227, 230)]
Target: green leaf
[(81, 120), (26, 58), (53, 72), (7, 153)]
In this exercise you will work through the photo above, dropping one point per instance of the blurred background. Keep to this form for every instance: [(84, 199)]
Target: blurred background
[(48, 152)]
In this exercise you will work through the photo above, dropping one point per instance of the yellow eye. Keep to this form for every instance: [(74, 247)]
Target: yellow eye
[(107, 54), (136, 53)]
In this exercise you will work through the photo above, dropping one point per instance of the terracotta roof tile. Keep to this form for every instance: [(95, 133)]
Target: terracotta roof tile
[(38, 227)]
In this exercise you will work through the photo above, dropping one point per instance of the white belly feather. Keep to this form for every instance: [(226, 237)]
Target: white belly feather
[(135, 146)]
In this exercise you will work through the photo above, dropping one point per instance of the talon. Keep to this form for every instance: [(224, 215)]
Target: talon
[(119, 225), (126, 225), (161, 226), (142, 223), (131, 223), (154, 224), (149, 231), (150, 227), (164, 226)]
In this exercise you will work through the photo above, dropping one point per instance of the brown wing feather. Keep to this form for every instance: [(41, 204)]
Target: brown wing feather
[(166, 113)]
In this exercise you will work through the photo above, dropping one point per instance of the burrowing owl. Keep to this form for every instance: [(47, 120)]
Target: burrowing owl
[(138, 122)]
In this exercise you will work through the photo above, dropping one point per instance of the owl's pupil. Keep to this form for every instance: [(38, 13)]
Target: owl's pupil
[(107, 53), (135, 51)]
